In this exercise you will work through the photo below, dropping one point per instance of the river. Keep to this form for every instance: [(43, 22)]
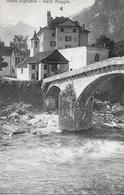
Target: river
[(62, 164)]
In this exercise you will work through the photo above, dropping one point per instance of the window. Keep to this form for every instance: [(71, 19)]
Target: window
[(52, 43), (61, 29), (54, 67), (75, 39), (45, 66), (21, 70), (36, 44), (13, 70), (97, 56), (33, 76), (74, 30), (67, 46), (53, 34), (45, 75), (68, 38), (33, 67)]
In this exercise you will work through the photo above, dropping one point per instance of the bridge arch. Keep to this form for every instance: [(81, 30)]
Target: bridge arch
[(52, 98), (84, 102), (90, 88), (75, 113)]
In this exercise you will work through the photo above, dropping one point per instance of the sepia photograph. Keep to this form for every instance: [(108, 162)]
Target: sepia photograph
[(61, 97)]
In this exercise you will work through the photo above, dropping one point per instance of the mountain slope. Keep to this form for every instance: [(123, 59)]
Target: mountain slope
[(7, 33), (104, 17)]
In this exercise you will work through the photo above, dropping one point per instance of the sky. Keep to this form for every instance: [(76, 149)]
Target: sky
[(33, 12)]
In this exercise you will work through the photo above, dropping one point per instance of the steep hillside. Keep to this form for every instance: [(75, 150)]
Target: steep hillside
[(7, 32), (104, 17)]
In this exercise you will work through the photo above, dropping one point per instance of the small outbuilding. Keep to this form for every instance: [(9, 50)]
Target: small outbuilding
[(42, 65)]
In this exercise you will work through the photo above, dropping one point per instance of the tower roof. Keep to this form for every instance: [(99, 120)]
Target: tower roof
[(35, 37)]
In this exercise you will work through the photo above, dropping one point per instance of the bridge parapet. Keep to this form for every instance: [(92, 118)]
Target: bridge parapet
[(108, 65)]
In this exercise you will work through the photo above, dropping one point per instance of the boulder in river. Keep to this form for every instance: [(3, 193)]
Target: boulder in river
[(12, 129)]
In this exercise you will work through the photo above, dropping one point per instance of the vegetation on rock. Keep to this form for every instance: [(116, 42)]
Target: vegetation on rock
[(105, 17), (2, 63), (18, 91)]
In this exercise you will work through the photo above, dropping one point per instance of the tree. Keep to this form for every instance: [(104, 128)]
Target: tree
[(2, 63), (19, 43), (2, 44), (118, 49), (105, 42), (115, 48)]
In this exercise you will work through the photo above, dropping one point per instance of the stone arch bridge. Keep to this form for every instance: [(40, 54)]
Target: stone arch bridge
[(74, 91)]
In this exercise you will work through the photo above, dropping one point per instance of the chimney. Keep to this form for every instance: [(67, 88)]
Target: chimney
[(76, 22), (49, 18)]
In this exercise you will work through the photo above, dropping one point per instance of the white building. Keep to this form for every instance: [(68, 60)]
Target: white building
[(59, 33), (82, 56)]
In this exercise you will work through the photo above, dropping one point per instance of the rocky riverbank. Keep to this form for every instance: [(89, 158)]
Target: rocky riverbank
[(107, 113), (21, 118)]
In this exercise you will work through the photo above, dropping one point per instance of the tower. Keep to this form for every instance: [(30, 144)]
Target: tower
[(34, 44)]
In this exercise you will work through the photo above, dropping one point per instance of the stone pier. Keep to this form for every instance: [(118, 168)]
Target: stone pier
[(74, 114)]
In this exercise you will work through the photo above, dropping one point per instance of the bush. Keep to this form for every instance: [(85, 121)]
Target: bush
[(30, 93)]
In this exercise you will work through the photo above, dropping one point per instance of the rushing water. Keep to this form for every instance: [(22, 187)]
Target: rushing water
[(62, 163)]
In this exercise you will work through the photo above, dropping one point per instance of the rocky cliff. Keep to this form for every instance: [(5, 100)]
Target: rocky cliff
[(104, 17)]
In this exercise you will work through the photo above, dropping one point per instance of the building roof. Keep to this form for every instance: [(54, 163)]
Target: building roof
[(57, 21), (41, 30), (35, 37), (48, 57), (68, 23), (62, 21), (6, 51), (23, 63)]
